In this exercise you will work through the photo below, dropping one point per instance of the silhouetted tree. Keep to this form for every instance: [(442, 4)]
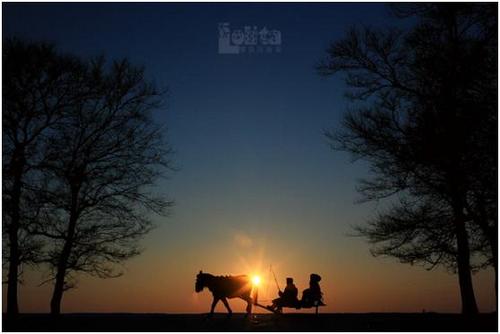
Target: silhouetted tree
[(102, 160), (38, 84), (466, 67), (421, 129), (419, 231)]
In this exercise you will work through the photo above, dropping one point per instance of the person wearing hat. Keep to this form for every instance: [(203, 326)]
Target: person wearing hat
[(287, 298), (313, 293)]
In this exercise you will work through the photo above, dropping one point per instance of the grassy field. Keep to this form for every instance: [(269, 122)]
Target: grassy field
[(258, 322)]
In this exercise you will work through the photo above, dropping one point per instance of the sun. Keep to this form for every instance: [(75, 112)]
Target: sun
[(256, 280)]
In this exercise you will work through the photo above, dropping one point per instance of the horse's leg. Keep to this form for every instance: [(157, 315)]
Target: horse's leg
[(214, 302), (226, 304), (249, 306)]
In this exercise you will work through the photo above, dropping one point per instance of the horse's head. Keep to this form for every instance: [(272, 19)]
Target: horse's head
[(200, 281)]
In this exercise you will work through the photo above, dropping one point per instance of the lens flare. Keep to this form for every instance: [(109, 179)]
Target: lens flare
[(256, 280)]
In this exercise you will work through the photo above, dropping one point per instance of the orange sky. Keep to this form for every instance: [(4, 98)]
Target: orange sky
[(162, 281)]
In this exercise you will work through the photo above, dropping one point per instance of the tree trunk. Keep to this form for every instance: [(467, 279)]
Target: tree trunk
[(16, 170), (469, 305), (55, 303), (12, 305)]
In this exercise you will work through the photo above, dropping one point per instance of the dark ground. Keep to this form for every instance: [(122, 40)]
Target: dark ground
[(259, 322)]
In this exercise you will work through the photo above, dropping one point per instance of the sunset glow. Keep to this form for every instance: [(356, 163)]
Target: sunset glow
[(256, 280)]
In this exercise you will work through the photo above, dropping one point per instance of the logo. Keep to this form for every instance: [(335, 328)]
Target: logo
[(250, 39)]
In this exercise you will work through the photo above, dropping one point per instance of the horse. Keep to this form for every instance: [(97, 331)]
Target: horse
[(223, 287)]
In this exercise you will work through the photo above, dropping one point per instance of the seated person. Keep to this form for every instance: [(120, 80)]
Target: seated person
[(287, 298), (313, 294)]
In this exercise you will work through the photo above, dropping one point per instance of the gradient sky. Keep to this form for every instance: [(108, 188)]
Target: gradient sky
[(257, 184)]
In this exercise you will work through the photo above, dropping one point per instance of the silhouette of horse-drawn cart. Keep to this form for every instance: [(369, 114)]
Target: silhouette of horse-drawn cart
[(241, 286)]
